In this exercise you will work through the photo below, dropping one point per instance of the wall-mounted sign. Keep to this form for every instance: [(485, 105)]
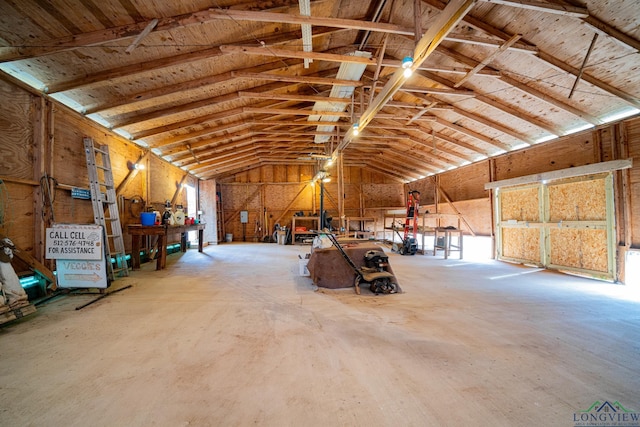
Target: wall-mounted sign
[(74, 241), (78, 251)]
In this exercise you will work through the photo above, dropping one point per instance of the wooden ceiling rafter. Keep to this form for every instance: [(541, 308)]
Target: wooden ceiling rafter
[(411, 152), (558, 9), (122, 32), (552, 61)]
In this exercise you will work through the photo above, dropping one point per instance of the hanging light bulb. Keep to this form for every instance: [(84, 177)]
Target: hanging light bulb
[(407, 62), (356, 129)]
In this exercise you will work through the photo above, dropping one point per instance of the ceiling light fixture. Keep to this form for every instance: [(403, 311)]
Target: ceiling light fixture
[(356, 129), (407, 63)]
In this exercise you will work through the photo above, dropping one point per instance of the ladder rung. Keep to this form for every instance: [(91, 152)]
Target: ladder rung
[(99, 150), (103, 168)]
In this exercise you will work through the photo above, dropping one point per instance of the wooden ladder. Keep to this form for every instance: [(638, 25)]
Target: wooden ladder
[(103, 194)]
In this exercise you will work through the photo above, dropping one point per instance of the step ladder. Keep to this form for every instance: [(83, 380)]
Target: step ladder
[(103, 194)]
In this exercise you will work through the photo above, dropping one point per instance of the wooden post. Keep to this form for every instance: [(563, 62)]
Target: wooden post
[(341, 194), (39, 169), (492, 177)]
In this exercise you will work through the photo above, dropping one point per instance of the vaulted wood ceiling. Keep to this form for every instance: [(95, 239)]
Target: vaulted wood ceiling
[(221, 86)]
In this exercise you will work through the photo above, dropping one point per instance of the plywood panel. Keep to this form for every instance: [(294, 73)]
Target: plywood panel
[(578, 201), (293, 173), (476, 212), (279, 173), (16, 132), (521, 204), (16, 214), (466, 183), (633, 138), (522, 244), (164, 181), (582, 249)]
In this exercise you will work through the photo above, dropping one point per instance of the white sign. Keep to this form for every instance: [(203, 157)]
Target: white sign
[(81, 274), (74, 241)]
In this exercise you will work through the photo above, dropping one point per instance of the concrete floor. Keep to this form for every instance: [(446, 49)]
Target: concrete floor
[(234, 337)]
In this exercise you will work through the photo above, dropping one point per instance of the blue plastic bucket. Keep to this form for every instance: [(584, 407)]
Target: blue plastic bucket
[(148, 218)]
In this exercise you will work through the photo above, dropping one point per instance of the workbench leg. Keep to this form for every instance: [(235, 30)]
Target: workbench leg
[(135, 252), (162, 253), (200, 240)]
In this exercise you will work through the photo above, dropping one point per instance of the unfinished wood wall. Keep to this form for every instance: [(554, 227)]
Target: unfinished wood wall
[(272, 194), (38, 137)]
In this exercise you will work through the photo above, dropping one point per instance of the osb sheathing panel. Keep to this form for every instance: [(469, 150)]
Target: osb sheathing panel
[(426, 188), (278, 197), (578, 201), (520, 204), (583, 249), (383, 195), (574, 151), (240, 197), (466, 183), (521, 244)]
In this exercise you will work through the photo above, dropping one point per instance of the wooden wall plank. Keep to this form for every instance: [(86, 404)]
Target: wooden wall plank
[(576, 150)]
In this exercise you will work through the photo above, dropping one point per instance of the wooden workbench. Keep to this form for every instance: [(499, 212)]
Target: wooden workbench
[(162, 231)]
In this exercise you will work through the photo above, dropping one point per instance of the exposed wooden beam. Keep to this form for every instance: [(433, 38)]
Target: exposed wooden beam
[(474, 134), (178, 139), (494, 125), (296, 123), (150, 26), (486, 61), (632, 100), (563, 173), (439, 91), (176, 109), (614, 33), (491, 42), (551, 100), (508, 109), (297, 79), (292, 132), (584, 64), (292, 97), (277, 52), (573, 11), (352, 24), (185, 123), (618, 35), (158, 64), (295, 112)]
